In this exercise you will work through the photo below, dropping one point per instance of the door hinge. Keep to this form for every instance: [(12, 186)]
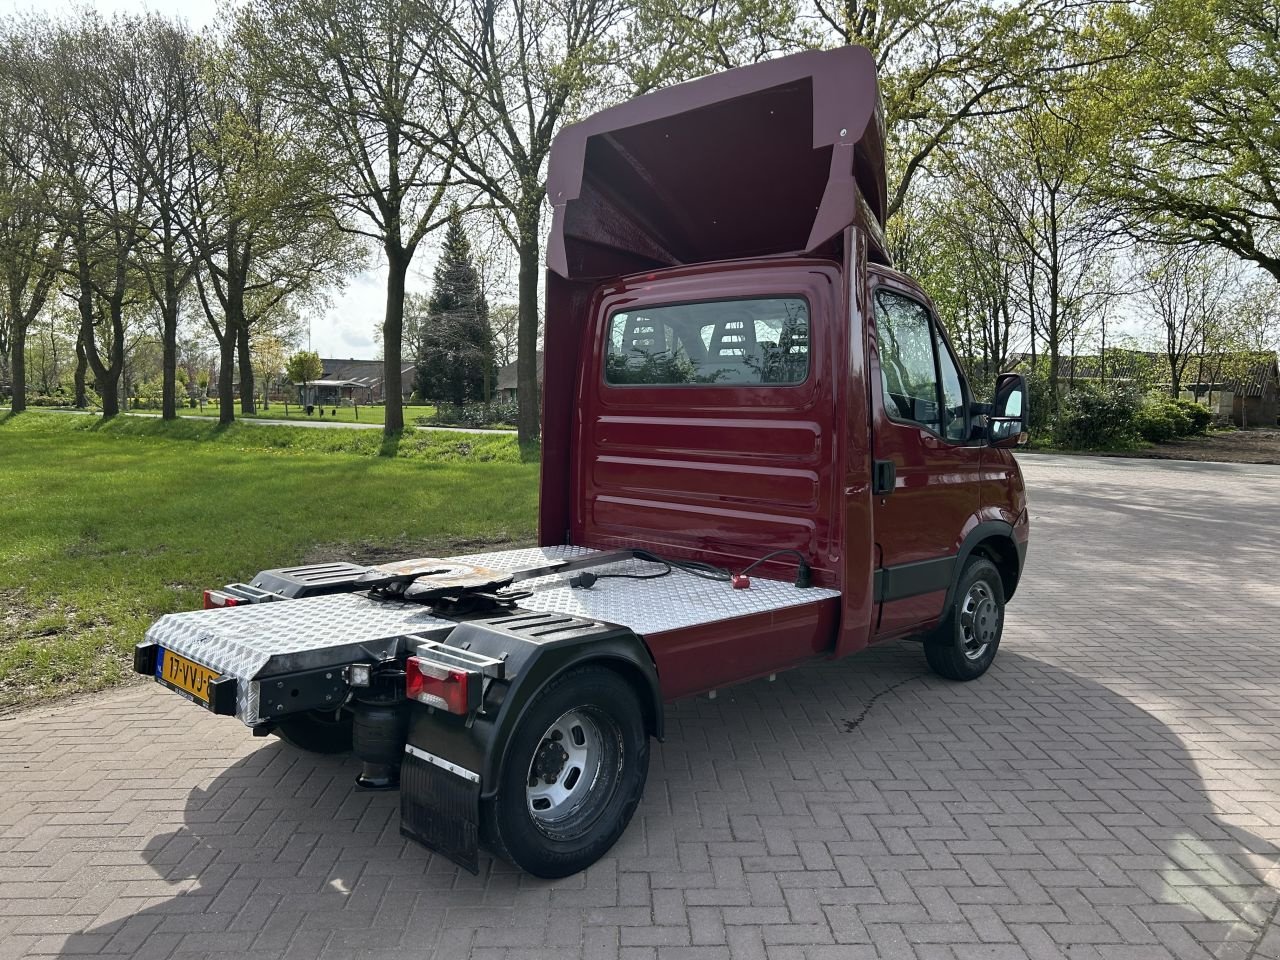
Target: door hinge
[(884, 475)]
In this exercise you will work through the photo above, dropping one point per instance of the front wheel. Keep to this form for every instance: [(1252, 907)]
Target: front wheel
[(573, 775), (966, 641)]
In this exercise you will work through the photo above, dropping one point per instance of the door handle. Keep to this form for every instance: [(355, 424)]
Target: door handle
[(884, 476)]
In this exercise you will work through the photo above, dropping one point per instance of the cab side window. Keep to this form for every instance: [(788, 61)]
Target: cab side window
[(908, 373), (920, 379)]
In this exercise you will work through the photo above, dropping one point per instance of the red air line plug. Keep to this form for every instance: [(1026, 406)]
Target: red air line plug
[(740, 581)]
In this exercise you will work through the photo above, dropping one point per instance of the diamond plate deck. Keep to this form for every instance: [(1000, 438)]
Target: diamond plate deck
[(267, 639), (646, 606)]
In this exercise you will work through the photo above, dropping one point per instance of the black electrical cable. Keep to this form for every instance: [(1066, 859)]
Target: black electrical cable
[(804, 574), (698, 569)]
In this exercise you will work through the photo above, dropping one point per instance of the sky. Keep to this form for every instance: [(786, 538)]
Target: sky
[(350, 326)]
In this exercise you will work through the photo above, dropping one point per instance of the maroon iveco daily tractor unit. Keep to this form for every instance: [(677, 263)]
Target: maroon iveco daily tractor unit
[(759, 451)]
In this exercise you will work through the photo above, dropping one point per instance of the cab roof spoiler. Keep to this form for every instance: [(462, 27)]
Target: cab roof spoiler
[(770, 159)]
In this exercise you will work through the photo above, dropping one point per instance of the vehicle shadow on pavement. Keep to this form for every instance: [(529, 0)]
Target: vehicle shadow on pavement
[(863, 802)]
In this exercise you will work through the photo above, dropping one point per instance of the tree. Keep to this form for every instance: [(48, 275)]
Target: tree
[(269, 351), (525, 67), (79, 81), (504, 319), (454, 359), (1192, 119), (1185, 295), (303, 367), (262, 221), (169, 88), (367, 77), (672, 40), (1040, 199), (30, 239), (967, 261)]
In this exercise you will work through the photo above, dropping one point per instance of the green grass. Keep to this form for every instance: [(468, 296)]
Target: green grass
[(104, 526), (364, 414)]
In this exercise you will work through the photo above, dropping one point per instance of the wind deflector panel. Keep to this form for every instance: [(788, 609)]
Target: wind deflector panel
[(778, 157)]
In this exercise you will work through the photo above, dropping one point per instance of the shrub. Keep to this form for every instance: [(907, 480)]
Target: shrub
[(495, 413), (1097, 417), (1198, 414), (1163, 418), (1159, 422)]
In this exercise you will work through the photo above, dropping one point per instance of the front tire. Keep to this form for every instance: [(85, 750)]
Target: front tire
[(573, 775), (317, 731), (965, 643)]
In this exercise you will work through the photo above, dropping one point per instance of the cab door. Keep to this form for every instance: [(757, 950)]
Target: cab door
[(926, 469)]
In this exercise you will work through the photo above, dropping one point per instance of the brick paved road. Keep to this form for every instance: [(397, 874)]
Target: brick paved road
[(1110, 789)]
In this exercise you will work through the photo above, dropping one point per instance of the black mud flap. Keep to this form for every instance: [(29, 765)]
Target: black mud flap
[(440, 807)]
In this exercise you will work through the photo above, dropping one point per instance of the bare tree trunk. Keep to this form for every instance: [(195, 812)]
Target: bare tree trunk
[(528, 421), (246, 369), (169, 336), (82, 365), (226, 382), (18, 366), (392, 331)]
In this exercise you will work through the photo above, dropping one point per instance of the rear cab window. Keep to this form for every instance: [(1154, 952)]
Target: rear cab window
[(743, 342)]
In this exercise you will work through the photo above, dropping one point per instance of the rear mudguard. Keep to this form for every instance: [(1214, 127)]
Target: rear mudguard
[(452, 763)]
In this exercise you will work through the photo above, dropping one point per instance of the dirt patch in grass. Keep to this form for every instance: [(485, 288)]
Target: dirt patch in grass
[(1255, 445)]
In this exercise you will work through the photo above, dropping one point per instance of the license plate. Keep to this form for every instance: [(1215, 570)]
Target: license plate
[(179, 673)]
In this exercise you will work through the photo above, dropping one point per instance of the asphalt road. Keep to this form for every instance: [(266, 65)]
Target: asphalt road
[(1111, 789)]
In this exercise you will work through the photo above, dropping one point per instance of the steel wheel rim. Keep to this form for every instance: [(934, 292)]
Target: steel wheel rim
[(979, 620), (567, 765)]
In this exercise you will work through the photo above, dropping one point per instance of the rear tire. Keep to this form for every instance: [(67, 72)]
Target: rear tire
[(573, 775), (965, 643), (317, 731)]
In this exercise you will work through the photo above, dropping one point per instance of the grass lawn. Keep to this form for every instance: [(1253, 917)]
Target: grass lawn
[(105, 526), (362, 414)]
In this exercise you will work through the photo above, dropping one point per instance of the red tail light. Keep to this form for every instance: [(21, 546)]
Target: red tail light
[(216, 598), (449, 689)]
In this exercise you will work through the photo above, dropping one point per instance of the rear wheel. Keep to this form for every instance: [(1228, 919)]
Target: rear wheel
[(965, 644), (573, 775), (317, 731)]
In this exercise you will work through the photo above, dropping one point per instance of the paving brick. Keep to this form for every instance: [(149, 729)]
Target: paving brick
[(1109, 791)]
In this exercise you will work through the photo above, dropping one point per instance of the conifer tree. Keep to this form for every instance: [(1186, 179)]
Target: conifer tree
[(455, 348)]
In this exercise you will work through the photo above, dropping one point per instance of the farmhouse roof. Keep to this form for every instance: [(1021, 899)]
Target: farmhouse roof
[(507, 378)]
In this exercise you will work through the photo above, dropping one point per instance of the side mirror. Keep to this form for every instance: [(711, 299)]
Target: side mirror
[(1007, 423)]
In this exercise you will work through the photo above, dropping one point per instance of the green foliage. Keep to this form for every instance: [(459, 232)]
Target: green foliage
[(1160, 422), (91, 557), (1197, 414), (1097, 417), (303, 367), (1161, 419), (498, 413), (1187, 98)]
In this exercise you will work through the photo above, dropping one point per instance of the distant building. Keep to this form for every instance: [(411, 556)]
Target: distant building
[(353, 381), (507, 379)]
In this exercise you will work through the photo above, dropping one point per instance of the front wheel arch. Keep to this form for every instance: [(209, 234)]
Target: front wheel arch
[(992, 539)]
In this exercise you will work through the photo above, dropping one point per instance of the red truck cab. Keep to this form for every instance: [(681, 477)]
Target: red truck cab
[(759, 449), (734, 368)]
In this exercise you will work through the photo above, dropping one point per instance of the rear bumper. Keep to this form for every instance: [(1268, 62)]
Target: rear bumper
[(273, 659)]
